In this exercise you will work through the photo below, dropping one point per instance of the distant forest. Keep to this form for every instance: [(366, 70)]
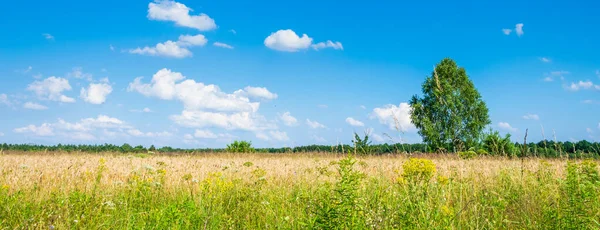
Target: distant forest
[(546, 148)]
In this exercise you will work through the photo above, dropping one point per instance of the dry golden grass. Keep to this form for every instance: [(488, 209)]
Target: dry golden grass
[(65, 172)]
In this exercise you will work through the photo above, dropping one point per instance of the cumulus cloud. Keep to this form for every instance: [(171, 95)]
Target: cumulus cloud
[(222, 45), (328, 44), (247, 121), (506, 31), (395, 117), (506, 126), (288, 119), (52, 89), (314, 124), (288, 41), (256, 92), (165, 10), (138, 133), (34, 106), (205, 105), (576, 86), (353, 122), (531, 117), (177, 49), (88, 129), (168, 85), (42, 130), (519, 29), (96, 93), (545, 59)]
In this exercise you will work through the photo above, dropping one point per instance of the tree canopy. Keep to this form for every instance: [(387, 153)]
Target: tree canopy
[(451, 115)]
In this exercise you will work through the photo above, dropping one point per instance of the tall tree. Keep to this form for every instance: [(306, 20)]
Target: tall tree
[(451, 115)]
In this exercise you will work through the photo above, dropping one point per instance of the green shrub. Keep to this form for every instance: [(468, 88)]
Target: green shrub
[(467, 154), (240, 147), (497, 145), (482, 152)]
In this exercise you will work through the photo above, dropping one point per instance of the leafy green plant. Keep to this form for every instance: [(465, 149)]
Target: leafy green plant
[(362, 145), (498, 145), (467, 154), (342, 210), (240, 147)]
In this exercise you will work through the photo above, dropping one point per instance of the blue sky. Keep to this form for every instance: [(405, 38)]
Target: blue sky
[(282, 74)]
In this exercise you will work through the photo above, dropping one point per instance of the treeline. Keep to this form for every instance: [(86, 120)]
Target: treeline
[(546, 148)]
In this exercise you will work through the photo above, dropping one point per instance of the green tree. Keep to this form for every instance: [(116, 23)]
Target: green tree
[(240, 147), (451, 115)]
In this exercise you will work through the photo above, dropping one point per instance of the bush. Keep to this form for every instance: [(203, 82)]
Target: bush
[(495, 144), (418, 170), (467, 154), (482, 152), (240, 147)]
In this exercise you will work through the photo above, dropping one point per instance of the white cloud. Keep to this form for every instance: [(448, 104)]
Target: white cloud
[(288, 119), (580, 85), (363, 107), (51, 89), (519, 29), (353, 122), (48, 36), (256, 92), (377, 137), (232, 31), (318, 139), (506, 31), (112, 48), (222, 45), (169, 85), (545, 59), (287, 40), (396, 117), (328, 44), (323, 106), (42, 130), (34, 106), (1, 134), (178, 49), (138, 133), (166, 10), (206, 105), (314, 124), (96, 93), (145, 110), (4, 100), (590, 131), (531, 117), (555, 74), (86, 129), (506, 126), (279, 135), (247, 121), (598, 73), (207, 134), (77, 72)]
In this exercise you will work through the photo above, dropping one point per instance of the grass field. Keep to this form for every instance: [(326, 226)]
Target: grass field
[(262, 191)]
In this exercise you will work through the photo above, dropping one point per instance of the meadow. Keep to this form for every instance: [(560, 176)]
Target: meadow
[(291, 191)]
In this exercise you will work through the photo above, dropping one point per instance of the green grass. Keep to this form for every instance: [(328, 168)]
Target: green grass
[(343, 193)]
